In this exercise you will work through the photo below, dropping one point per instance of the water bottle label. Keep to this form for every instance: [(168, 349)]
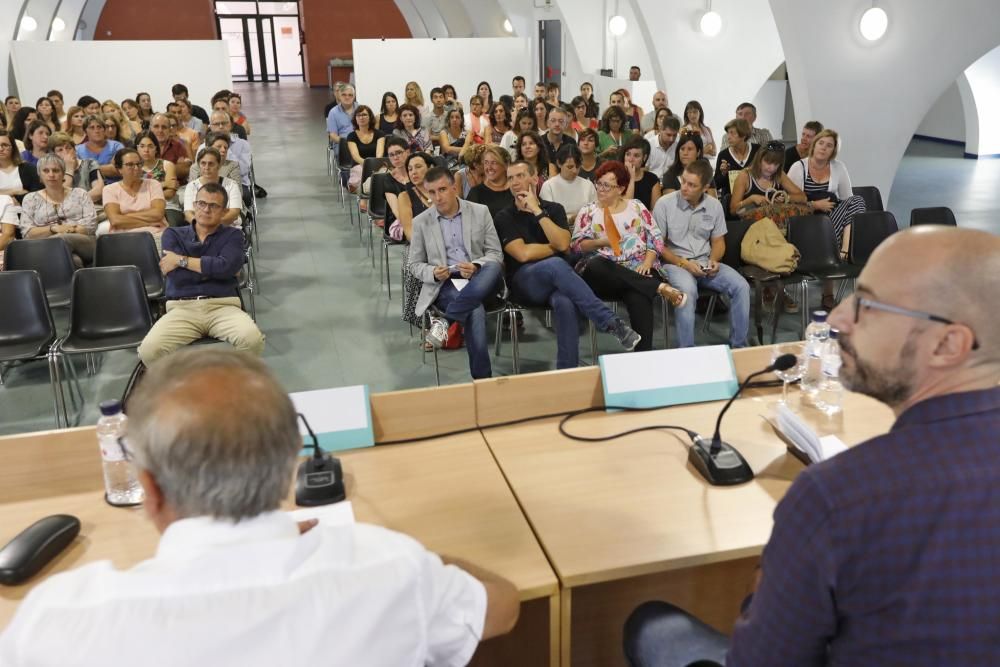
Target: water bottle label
[(113, 450)]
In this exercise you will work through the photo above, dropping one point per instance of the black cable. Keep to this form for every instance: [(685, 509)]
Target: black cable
[(604, 438)]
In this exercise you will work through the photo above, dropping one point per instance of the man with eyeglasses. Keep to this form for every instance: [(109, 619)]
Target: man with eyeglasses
[(201, 262), (239, 149), (886, 553), (171, 148)]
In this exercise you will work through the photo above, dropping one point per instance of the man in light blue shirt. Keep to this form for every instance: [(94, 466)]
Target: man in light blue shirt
[(694, 233), (338, 122)]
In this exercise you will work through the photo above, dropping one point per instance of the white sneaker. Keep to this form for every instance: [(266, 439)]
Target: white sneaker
[(437, 335)]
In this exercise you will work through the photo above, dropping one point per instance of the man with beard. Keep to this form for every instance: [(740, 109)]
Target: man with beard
[(886, 553)]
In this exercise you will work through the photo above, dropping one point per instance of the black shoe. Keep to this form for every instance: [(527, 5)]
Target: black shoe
[(259, 192), (625, 335)]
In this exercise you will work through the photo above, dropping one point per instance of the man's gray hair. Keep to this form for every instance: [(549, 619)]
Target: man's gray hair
[(217, 433), (50, 159)]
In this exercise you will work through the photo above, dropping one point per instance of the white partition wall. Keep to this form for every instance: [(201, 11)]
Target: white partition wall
[(117, 70), (387, 65)]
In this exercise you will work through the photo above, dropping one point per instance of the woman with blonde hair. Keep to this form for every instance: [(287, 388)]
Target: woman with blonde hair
[(414, 96), (112, 111)]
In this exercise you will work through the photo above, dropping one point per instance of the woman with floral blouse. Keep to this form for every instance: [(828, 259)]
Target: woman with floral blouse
[(620, 254), (60, 210)]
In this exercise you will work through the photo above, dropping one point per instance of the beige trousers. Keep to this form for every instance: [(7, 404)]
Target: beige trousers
[(187, 321)]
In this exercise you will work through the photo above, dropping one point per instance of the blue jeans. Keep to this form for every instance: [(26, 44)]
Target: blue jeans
[(658, 634), (727, 281), (552, 282), (466, 307)]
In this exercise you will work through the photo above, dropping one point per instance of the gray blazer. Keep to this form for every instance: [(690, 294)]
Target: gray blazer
[(427, 246)]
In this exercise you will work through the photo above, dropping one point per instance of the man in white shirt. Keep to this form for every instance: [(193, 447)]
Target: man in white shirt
[(233, 581), (663, 151)]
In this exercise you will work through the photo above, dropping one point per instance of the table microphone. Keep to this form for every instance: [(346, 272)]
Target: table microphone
[(718, 461)]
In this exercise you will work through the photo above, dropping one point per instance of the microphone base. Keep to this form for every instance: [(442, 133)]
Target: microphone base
[(724, 467)]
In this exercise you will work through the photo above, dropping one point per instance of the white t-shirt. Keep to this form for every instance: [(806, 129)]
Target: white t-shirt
[(573, 195), (10, 180), (8, 210), (232, 189), (256, 593)]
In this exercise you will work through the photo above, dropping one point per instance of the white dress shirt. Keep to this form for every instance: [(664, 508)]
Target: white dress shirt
[(256, 593), (660, 159)]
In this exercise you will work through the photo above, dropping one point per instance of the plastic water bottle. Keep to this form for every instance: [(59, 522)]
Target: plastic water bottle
[(830, 396), (121, 485), (817, 334)]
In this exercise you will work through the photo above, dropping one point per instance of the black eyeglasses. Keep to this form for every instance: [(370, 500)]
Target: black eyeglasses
[(866, 303)]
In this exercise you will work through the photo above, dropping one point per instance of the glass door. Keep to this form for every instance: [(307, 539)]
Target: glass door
[(263, 38)]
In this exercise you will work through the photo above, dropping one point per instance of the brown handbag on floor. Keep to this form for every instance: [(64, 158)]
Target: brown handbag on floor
[(765, 246)]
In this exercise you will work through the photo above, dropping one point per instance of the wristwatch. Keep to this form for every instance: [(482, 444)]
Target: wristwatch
[(182, 262)]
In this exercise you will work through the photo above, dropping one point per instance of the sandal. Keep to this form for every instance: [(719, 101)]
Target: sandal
[(673, 295), (791, 305)]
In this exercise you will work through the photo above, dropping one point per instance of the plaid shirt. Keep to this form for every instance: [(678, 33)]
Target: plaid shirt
[(888, 554)]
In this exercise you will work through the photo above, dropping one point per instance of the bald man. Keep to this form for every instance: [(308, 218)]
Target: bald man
[(887, 553), (659, 102)]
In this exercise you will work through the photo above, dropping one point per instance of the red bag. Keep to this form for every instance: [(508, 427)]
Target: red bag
[(455, 337)]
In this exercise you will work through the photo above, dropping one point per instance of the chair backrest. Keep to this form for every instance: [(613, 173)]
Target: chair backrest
[(934, 215), (440, 161), (109, 301), (25, 312), (871, 195), (370, 166), (813, 235), (735, 231), (52, 260), (868, 230), (344, 156), (136, 249), (376, 196)]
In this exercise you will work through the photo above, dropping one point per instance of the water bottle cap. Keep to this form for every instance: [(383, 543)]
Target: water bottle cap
[(833, 334), (110, 407), (819, 316)]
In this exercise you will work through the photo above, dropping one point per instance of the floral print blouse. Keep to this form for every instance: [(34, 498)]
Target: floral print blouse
[(76, 209), (636, 227)]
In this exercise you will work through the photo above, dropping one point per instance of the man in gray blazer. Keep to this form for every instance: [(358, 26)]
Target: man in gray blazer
[(456, 254)]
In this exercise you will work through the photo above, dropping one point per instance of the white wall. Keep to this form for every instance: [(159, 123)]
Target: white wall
[(81, 68), (946, 119), (5, 85), (770, 103), (981, 93), (877, 93), (381, 65)]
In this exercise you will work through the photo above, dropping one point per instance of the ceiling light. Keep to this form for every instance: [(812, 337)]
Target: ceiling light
[(617, 25), (28, 23), (58, 25), (711, 23), (874, 23), (507, 27)]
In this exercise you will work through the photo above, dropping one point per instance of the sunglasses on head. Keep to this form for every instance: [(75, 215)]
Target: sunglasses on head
[(775, 146)]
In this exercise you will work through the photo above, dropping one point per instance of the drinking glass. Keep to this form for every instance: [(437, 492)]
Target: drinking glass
[(792, 374)]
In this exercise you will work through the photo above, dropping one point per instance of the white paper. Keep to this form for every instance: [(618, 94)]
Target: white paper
[(803, 437), (664, 369), (337, 514), (459, 283), (329, 410)]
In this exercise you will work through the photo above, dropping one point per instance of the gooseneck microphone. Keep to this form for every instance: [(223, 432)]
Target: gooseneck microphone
[(718, 461)]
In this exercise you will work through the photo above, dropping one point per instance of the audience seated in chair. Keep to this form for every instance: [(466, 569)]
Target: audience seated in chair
[(163, 171), (339, 121), (555, 137), (236, 111), (36, 142), (97, 147), (531, 149), (60, 210), (84, 174), (8, 223), (239, 149), (454, 138), (221, 142), (567, 188), (643, 185), (456, 239), (396, 179), (614, 131), (414, 199), (408, 128), (581, 121), (494, 191), (871, 559), (758, 135), (662, 144), (172, 149), (800, 151), (536, 240), (437, 118), (133, 204), (180, 92), (621, 246), (688, 149), (649, 120), (17, 177), (201, 262), (693, 225), (208, 161), (388, 114), (738, 155), (524, 122), (694, 121)]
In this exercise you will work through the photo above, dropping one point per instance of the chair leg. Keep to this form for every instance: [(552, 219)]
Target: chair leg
[(779, 305), (388, 278), (513, 341), (666, 323), (804, 312), (496, 352), (709, 312), (54, 384), (75, 392), (437, 368)]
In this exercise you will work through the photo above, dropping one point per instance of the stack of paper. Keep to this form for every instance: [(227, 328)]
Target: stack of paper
[(801, 436)]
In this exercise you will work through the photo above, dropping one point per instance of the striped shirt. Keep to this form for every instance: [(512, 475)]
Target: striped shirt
[(888, 554)]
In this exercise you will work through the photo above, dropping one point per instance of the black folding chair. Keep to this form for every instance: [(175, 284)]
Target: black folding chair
[(869, 229), (27, 331), (368, 169), (344, 164), (136, 249), (377, 207), (109, 311), (871, 195), (52, 260), (934, 215)]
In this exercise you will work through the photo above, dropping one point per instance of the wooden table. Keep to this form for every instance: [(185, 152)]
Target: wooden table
[(446, 492), (629, 520)]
